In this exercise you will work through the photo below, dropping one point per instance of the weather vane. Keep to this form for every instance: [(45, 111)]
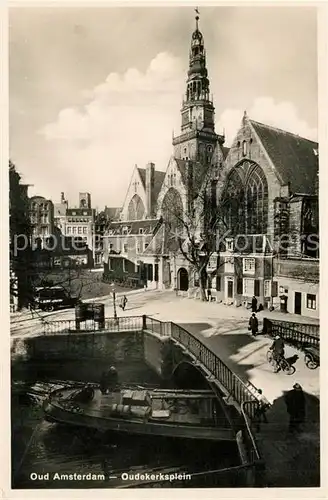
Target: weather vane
[(197, 17)]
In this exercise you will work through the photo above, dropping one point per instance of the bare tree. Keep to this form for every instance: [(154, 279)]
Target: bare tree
[(195, 230)]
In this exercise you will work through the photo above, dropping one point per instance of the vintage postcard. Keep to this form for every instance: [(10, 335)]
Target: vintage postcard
[(164, 247)]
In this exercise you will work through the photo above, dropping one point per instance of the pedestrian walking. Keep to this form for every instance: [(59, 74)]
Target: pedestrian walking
[(263, 405), (295, 403), (254, 304), (209, 294), (123, 303), (253, 324)]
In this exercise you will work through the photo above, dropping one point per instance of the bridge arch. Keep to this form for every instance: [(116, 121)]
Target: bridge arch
[(188, 376)]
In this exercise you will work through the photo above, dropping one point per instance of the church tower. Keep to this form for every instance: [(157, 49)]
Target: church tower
[(198, 139)]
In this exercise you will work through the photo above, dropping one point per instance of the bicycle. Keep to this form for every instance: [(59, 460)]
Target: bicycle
[(280, 363)]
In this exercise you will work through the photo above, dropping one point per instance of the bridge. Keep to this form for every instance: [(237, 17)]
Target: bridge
[(177, 346)]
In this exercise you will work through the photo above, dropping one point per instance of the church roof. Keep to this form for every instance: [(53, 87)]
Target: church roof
[(163, 242), (133, 226), (295, 158), (225, 152), (142, 173), (198, 172), (158, 181), (113, 213), (182, 166)]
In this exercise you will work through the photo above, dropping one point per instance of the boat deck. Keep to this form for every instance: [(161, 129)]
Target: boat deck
[(184, 414), (176, 407)]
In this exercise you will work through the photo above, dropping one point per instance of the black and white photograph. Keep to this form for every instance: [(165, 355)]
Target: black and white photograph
[(163, 233)]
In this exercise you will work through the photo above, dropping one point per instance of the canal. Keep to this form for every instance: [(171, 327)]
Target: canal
[(45, 451)]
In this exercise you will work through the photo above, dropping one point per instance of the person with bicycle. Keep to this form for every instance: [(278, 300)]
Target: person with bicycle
[(278, 350)]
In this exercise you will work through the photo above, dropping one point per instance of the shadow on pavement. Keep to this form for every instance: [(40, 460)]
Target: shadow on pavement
[(292, 459), (292, 359), (226, 346)]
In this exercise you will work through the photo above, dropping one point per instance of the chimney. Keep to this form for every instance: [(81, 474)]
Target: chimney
[(62, 197), (150, 191)]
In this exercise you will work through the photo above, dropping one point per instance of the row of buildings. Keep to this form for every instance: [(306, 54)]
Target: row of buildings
[(69, 234), (262, 192)]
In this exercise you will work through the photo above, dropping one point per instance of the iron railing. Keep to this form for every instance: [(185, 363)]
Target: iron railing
[(297, 334), (122, 324), (241, 391), (161, 328)]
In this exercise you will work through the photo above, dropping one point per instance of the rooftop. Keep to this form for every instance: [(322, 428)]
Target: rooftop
[(295, 158)]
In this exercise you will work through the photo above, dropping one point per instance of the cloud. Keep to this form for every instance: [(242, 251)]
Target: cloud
[(128, 119), (282, 115), (124, 121)]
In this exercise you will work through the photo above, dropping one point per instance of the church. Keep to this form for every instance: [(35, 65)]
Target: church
[(265, 190)]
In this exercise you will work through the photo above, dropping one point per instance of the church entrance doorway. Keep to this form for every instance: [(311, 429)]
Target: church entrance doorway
[(183, 280)]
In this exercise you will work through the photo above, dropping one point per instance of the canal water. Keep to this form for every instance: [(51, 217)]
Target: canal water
[(41, 449)]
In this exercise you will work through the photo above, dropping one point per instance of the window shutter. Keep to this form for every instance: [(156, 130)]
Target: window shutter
[(239, 286), (218, 283), (256, 288), (274, 289)]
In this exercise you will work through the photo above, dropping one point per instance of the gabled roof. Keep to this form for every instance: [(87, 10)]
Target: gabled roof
[(147, 225), (142, 173), (295, 158), (163, 242), (158, 180), (113, 213), (198, 172), (182, 166), (225, 152)]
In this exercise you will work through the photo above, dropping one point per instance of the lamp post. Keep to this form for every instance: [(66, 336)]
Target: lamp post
[(114, 302)]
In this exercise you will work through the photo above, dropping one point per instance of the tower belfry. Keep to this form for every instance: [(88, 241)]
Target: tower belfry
[(198, 139)]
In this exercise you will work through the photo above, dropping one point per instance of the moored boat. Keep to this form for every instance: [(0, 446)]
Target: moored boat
[(187, 414)]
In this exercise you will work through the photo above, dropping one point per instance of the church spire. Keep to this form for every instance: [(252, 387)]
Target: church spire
[(197, 140), (197, 18)]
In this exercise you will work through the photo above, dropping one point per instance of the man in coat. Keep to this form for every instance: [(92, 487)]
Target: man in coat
[(254, 304), (295, 403), (253, 324)]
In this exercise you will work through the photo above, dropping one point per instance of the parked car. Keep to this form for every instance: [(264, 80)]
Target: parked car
[(54, 297), (312, 357)]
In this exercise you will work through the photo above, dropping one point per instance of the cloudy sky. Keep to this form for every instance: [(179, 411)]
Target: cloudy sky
[(95, 91)]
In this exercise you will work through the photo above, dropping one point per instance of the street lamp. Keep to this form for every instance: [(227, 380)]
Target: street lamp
[(114, 301)]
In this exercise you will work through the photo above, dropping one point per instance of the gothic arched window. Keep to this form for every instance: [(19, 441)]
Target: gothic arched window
[(172, 210), (245, 200), (136, 209), (256, 202), (233, 203)]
